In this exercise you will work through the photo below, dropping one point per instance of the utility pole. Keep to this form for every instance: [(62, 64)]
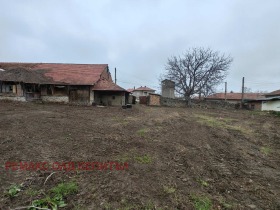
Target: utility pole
[(225, 91), (242, 96), (115, 75)]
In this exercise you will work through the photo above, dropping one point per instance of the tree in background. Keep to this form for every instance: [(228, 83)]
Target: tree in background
[(198, 71)]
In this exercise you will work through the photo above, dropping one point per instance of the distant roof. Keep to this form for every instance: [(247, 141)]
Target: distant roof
[(130, 90), (52, 73), (234, 96), (273, 93), (105, 85), (145, 88), (265, 99)]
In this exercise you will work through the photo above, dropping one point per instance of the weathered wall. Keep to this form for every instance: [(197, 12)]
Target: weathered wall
[(153, 100), (56, 99), (13, 98), (168, 89), (213, 104), (172, 102), (109, 98), (271, 105)]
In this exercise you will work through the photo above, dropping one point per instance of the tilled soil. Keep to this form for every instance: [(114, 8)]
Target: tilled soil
[(175, 156)]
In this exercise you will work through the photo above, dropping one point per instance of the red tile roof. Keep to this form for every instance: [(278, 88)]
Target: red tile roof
[(130, 90), (273, 93), (59, 73), (105, 85), (145, 88), (234, 96)]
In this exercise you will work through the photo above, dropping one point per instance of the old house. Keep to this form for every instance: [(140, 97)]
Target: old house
[(141, 91), (270, 102), (232, 97), (57, 82)]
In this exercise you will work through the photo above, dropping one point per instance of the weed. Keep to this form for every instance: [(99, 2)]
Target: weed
[(142, 132), (146, 159), (201, 202), (54, 203), (57, 200), (169, 190), (265, 150), (203, 183), (13, 191)]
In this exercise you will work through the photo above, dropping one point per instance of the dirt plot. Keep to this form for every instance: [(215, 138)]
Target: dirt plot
[(177, 158)]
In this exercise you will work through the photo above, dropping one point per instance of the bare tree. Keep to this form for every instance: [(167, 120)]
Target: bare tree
[(198, 71)]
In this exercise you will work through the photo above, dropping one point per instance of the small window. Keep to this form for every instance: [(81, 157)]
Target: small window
[(10, 88), (113, 97)]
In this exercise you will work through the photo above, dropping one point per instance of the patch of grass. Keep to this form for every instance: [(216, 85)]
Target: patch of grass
[(265, 150), (142, 132), (124, 158), (275, 113), (57, 199), (201, 202), (169, 190), (221, 123), (145, 159), (203, 183), (13, 191), (65, 189), (32, 192), (48, 203)]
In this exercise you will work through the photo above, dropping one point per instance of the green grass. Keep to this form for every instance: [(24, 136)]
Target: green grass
[(275, 113), (142, 132), (65, 189), (265, 150), (13, 191), (201, 202), (56, 198), (145, 159)]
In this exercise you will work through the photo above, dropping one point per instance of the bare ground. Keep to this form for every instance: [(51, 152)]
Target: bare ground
[(176, 156)]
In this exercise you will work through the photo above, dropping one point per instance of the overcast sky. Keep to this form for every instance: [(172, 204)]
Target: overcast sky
[(137, 36)]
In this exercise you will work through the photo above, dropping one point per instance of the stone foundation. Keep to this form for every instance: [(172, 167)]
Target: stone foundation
[(55, 99), (13, 98)]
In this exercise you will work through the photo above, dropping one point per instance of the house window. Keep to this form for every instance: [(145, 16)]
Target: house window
[(145, 93), (113, 97)]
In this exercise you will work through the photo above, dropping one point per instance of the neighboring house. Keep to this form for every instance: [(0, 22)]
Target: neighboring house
[(168, 88), (141, 91), (56, 82), (271, 102), (233, 97)]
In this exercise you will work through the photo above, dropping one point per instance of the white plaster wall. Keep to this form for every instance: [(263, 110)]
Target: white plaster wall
[(271, 105)]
